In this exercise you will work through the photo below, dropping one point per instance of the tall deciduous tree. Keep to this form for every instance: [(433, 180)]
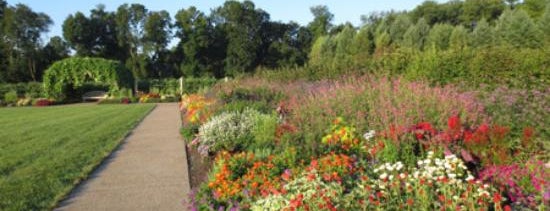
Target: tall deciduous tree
[(130, 21), (322, 21), (242, 24), (193, 30), (94, 35), (21, 31), (56, 49), (157, 34), (474, 10)]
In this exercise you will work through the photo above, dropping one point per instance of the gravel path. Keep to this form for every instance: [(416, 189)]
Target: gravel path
[(147, 172)]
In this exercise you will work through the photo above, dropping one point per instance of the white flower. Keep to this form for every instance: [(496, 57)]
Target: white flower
[(399, 166), (469, 178), (369, 135), (402, 176), (383, 176), (390, 177), (452, 176)]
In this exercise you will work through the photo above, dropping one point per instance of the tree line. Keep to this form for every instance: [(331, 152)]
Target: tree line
[(237, 37), (472, 42)]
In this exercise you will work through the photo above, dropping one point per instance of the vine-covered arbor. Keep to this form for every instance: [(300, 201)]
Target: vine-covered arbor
[(71, 73)]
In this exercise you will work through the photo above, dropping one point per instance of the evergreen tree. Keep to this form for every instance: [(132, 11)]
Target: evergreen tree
[(544, 24), (439, 36), (459, 38), (515, 28), (344, 51), (398, 28), (363, 44), (482, 35), (415, 36)]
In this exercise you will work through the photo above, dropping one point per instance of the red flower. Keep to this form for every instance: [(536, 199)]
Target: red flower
[(483, 128), (497, 198), (507, 208), (454, 123), (410, 202), (468, 136)]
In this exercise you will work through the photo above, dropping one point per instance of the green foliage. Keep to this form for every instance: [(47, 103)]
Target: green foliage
[(344, 49), (474, 10), (20, 47), (544, 24), (399, 27), (10, 97), (483, 35), (515, 28), (238, 19), (439, 36), (171, 86), (415, 36), (363, 45), (264, 132), (232, 131), (31, 89), (459, 38), (74, 72), (322, 21)]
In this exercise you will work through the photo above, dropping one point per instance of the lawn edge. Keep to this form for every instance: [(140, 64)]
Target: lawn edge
[(92, 167)]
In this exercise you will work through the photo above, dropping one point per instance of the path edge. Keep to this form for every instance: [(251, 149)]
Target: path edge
[(64, 195)]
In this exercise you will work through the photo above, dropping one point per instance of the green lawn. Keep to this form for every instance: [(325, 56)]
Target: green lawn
[(44, 152)]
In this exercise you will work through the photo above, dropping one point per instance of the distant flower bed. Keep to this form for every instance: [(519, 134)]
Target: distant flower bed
[(43, 102)]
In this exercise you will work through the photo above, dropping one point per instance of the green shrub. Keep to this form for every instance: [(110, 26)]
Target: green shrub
[(10, 97), (240, 106), (264, 131), (232, 131), (189, 131), (194, 85), (171, 86), (31, 89)]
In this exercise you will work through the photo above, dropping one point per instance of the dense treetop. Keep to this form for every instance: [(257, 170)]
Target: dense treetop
[(238, 37)]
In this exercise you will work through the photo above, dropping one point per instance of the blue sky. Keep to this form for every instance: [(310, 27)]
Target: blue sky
[(283, 10)]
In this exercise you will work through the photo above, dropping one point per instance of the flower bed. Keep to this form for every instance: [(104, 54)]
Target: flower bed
[(284, 153)]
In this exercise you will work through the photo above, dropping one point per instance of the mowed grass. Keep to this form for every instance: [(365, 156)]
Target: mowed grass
[(44, 152)]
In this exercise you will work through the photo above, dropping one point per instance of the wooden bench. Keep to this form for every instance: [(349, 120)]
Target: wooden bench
[(94, 95)]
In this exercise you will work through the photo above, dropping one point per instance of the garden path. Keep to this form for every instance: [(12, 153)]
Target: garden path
[(147, 172)]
